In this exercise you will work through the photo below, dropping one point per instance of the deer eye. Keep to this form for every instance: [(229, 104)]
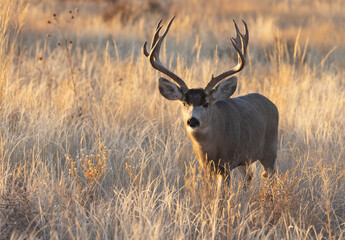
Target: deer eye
[(185, 104), (205, 105)]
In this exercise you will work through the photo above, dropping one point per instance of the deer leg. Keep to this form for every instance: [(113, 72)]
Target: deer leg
[(269, 157), (268, 165), (247, 174)]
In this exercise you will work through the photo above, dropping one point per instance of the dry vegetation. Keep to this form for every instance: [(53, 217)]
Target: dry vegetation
[(90, 150)]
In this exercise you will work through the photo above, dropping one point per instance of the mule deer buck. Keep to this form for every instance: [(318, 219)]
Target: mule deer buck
[(227, 132)]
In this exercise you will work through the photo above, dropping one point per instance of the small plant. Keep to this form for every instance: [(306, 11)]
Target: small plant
[(64, 42), (278, 196), (87, 170)]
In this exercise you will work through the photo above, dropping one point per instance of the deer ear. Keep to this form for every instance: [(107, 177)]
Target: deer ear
[(169, 90), (225, 89)]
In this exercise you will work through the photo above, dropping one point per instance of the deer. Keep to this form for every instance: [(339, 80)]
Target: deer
[(226, 133)]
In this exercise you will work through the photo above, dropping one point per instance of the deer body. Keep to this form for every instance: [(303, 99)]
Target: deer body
[(242, 130), (226, 132)]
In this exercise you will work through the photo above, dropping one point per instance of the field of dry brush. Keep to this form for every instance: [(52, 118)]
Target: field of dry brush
[(89, 149)]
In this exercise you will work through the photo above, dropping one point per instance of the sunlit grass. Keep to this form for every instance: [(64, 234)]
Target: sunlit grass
[(141, 180)]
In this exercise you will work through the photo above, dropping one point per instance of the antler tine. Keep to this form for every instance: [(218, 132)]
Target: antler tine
[(246, 35), (146, 53), (240, 44), (159, 24), (155, 48), (154, 55), (156, 35), (154, 39)]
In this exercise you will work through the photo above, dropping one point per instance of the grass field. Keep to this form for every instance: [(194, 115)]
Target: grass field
[(89, 149)]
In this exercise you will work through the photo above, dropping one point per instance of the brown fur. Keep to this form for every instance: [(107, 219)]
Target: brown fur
[(241, 131)]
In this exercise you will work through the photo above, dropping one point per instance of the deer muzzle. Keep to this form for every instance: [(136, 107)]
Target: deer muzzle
[(193, 122)]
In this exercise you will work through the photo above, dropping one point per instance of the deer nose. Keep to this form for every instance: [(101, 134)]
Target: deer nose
[(193, 122)]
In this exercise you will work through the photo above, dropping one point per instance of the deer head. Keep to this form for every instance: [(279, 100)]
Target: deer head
[(198, 103)]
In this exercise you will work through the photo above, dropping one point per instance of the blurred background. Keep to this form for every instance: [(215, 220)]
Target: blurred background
[(316, 23)]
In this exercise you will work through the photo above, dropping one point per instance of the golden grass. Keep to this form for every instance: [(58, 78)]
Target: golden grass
[(149, 186)]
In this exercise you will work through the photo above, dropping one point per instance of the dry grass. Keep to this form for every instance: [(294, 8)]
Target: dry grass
[(141, 181)]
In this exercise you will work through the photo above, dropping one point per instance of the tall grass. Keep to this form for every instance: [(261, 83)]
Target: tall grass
[(122, 166)]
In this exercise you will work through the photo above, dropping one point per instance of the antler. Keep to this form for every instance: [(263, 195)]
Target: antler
[(153, 55), (240, 44)]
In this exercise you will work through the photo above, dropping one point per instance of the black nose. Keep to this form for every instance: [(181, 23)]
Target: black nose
[(193, 122)]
